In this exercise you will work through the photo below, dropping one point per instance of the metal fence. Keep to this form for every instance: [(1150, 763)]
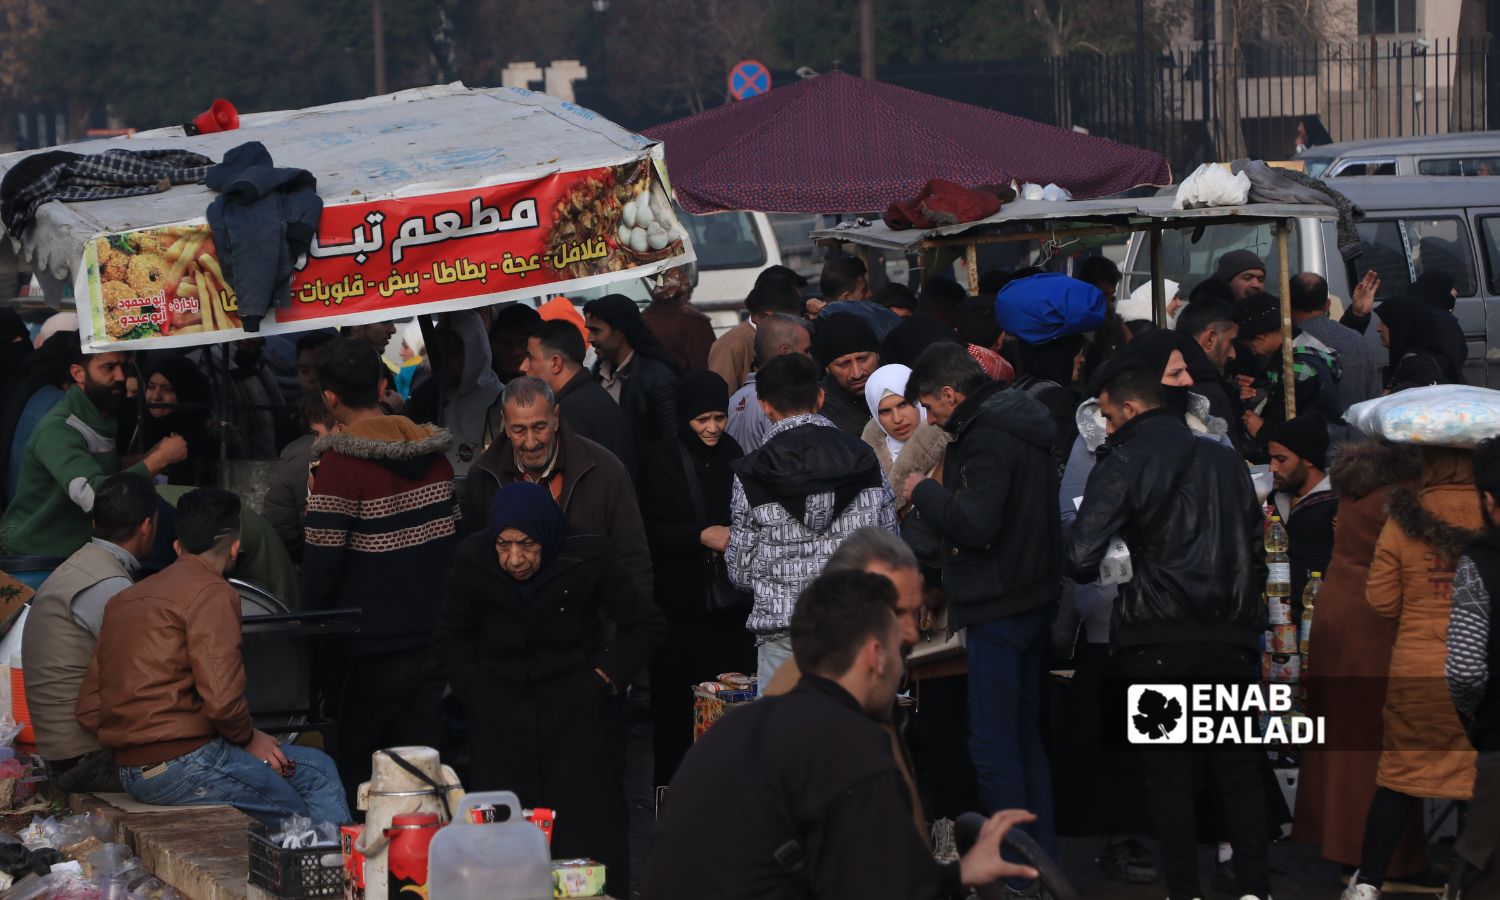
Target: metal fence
[(1216, 102)]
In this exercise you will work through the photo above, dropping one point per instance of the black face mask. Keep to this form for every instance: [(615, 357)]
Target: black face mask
[(1175, 398)]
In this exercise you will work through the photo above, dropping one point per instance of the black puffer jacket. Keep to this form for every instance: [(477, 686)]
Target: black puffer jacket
[(648, 396), (996, 508), (1186, 509)]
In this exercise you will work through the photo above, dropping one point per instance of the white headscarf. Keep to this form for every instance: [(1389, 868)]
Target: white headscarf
[(1139, 306), (885, 381)]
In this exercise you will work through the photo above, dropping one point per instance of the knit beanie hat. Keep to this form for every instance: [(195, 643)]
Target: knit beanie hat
[(842, 334), (1257, 314), (1236, 261), (1306, 436)]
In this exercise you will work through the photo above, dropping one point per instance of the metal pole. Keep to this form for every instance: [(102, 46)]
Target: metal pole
[(377, 22), (1288, 375), (1158, 282), (867, 39), (1140, 73)]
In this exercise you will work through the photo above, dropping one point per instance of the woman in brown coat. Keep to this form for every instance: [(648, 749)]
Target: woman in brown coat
[(1351, 646), (1425, 751)]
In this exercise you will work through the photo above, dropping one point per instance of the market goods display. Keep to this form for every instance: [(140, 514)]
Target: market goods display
[(1440, 416)]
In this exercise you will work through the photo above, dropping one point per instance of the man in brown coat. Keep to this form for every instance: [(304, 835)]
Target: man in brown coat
[(586, 480), (683, 330), (166, 688)]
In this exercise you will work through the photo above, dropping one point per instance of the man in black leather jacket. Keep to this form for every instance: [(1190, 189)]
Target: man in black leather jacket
[(634, 368), (1192, 610)]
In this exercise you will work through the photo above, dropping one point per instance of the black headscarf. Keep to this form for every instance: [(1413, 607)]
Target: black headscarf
[(191, 386), (530, 509), (698, 393), (1153, 350), (1413, 328), (621, 313), (1052, 361), (15, 345)]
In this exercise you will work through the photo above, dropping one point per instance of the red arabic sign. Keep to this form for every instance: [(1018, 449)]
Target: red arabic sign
[(390, 259)]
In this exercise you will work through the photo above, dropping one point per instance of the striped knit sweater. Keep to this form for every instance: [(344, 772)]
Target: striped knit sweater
[(381, 527)]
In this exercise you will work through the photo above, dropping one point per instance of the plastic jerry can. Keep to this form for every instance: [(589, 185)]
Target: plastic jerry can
[(505, 860)]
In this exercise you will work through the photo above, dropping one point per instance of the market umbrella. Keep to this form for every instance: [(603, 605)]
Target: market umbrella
[(837, 143)]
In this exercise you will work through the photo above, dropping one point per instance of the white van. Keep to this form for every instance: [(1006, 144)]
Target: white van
[(1410, 225)]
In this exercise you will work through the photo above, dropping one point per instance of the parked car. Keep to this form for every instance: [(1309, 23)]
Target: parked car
[(1411, 225), (1474, 153)]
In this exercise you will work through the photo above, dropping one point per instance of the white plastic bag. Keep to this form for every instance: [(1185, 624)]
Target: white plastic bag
[(1439, 416), (1052, 192), (1212, 185)]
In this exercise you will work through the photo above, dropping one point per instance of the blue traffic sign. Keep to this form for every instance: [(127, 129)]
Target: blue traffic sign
[(749, 78)]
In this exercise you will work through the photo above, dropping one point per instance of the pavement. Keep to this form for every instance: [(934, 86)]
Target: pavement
[(1298, 872)]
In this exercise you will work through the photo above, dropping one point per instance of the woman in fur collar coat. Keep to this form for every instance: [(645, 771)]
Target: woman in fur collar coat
[(1425, 752), (899, 433), (1351, 645)]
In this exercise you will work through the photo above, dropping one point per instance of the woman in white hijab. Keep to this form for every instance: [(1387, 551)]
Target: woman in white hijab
[(899, 433)]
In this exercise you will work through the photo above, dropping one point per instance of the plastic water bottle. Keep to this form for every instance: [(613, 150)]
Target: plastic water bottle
[(1309, 594)]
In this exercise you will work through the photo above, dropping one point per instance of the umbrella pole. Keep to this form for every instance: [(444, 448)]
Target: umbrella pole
[(971, 260), (1288, 374), (1158, 284)]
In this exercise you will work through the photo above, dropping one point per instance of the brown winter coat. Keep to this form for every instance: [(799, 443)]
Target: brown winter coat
[(1426, 753), (922, 453), (1350, 641)]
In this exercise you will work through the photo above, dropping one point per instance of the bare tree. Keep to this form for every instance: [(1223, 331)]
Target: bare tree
[(678, 53)]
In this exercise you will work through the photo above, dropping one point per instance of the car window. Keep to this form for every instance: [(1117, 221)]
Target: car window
[(1489, 230), (1460, 165), (1315, 166), (1401, 249), (1357, 167), (1188, 263), (725, 240)]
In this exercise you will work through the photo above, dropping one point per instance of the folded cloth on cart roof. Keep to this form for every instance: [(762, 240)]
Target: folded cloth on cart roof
[(410, 143), (72, 177), (1048, 306), (941, 202), (1439, 416)]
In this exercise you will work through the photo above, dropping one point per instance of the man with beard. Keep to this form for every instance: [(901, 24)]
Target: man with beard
[(69, 455), (849, 352), (1304, 496)]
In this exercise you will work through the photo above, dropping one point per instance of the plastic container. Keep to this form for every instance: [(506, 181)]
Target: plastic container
[(292, 874), (505, 860)]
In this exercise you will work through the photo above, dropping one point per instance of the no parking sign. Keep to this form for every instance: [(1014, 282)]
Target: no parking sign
[(748, 78)]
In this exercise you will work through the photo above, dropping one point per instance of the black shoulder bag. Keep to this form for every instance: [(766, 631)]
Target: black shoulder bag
[(721, 596)]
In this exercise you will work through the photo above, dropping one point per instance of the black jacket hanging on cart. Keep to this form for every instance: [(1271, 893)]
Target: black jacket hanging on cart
[(263, 219)]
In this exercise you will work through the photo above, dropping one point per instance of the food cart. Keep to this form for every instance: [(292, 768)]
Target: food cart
[(435, 199), (1056, 223)]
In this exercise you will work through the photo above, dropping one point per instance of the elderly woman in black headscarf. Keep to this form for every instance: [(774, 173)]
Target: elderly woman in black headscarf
[(1419, 356), (524, 643), (685, 482), (176, 380)]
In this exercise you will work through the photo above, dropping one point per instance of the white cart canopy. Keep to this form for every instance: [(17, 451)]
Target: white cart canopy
[(435, 199)]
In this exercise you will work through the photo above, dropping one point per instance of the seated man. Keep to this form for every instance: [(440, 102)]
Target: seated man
[(166, 689), (800, 795), (58, 643)]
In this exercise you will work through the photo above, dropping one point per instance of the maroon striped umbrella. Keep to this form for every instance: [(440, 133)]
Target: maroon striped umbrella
[(837, 143)]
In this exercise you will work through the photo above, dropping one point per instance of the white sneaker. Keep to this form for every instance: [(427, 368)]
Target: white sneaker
[(1356, 891)]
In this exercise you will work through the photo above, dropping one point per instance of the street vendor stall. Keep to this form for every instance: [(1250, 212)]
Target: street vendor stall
[(1056, 223), (433, 199)]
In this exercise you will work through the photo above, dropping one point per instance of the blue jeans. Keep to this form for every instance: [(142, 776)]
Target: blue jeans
[(1005, 731), (769, 657), (221, 773)]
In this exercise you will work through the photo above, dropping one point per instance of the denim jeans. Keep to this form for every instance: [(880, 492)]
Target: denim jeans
[(769, 657), (1005, 730), (219, 772)]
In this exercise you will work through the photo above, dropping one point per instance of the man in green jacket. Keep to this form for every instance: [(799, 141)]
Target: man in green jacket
[(69, 455)]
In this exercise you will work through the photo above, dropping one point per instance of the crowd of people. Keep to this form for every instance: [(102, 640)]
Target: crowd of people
[(531, 539)]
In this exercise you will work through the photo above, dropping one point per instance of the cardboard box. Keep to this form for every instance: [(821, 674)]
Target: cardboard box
[(577, 878)]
